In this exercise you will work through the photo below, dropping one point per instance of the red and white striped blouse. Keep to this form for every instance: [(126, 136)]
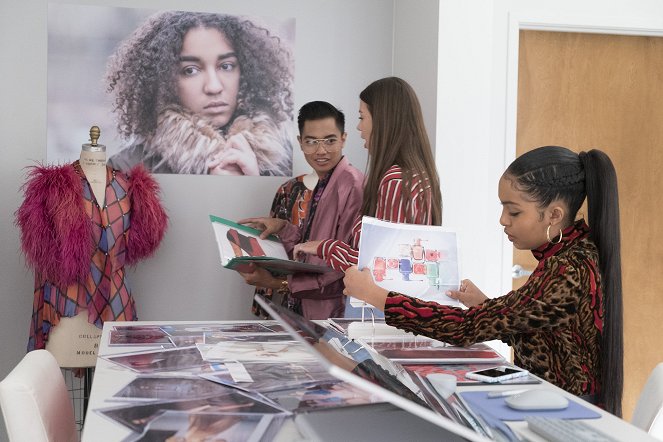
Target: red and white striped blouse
[(340, 255)]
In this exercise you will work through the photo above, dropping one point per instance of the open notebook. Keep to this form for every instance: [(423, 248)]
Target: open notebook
[(339, 356)]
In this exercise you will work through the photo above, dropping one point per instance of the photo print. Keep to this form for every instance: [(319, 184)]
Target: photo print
[(179, 92)]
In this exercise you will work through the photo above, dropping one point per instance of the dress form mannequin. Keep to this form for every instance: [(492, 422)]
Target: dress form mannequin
[(79, 249), (74, 341)]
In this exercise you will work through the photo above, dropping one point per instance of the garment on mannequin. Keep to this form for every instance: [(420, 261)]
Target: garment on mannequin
[(73, 341), (78, 235)]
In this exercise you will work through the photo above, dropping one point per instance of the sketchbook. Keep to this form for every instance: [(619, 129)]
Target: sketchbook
[(241, 245), (420, 261)]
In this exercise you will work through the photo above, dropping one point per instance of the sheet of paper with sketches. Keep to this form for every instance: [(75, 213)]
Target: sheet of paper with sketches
[(416, 260)]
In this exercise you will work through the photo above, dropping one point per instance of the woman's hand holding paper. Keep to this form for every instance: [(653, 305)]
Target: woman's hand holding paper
[(360, 285)]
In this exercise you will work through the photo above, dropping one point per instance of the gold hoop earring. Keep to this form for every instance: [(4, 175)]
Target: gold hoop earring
[(559, 240)]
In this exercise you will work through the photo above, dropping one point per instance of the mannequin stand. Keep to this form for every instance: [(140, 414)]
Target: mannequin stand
[(74, 342)]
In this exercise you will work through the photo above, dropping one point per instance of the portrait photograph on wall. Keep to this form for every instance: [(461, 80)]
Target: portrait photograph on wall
[(181, 92)]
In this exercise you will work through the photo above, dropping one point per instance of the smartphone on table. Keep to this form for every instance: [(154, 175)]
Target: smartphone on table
[(496, 374)]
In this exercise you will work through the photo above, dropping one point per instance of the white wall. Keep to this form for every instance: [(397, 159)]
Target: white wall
[(341, 46), (415, 46)]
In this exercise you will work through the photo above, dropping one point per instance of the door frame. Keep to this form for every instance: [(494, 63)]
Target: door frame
[(551, 21)]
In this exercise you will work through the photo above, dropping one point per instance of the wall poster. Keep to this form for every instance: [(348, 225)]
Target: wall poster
[(181, 92)]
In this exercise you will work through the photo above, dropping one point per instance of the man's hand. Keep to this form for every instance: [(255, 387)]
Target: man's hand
[(260, 277), (309, 248), (268, 225)]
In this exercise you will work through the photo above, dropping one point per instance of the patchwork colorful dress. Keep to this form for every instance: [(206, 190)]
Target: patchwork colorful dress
[(79, 249)]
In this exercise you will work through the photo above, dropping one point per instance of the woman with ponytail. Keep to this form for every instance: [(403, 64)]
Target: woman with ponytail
[(565, 324)]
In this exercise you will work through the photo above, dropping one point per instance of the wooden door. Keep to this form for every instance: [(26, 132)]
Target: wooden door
[(585, 91)]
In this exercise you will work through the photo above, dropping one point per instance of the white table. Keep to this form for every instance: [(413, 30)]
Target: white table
[(110, 377)]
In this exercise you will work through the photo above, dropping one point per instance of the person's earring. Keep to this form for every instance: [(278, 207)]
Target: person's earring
[(548, 236)]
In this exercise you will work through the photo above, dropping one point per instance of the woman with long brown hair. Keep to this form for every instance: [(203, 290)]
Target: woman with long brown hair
[(402, 184)]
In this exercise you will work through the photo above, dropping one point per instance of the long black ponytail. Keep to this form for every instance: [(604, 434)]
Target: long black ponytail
[(603, 213), (552, 173)]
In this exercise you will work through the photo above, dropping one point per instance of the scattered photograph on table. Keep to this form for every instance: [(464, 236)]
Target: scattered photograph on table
[(314, 396), (276, 352), (160, 388), (200, 329), (274, 326), (160, 360), (459, 371), (269, 377), (138, 337), (178, 426), (215, 338), (187, 341), (137, 416), (423, 350), (136, 327)]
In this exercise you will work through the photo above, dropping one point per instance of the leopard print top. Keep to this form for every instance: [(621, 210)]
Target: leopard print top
[(554, 322)]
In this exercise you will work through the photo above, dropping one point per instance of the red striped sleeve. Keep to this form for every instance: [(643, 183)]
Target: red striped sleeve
[(340, 255)]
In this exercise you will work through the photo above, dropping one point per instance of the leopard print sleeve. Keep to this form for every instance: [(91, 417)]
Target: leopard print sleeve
[(547, 302), (554, 322)]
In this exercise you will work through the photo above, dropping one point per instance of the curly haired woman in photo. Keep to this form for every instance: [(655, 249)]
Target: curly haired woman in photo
[(199, 93)]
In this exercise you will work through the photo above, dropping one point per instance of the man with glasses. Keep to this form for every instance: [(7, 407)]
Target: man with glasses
[(322, 210)]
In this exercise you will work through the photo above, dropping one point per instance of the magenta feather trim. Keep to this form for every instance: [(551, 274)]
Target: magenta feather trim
[(148, 218), (56, 235)]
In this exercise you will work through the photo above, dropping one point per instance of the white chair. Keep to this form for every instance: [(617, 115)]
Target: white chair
[(35, 402), (648, 413)]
